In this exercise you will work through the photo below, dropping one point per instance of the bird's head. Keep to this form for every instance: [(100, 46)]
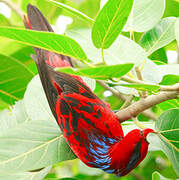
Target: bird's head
[(129, 152)]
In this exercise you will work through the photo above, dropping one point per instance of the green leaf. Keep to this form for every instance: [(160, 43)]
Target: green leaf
[(73, 11), (159, 56), (123, 50), (177, 31), (170, 104), (46, 40), (161, 35), (100, 72), (157, 176), (39, 175), (170, 79), (110, 22), (168, 127), (142, 87), (36, 143), (144, 15), (11, 119), (171, 9), (14, 76)]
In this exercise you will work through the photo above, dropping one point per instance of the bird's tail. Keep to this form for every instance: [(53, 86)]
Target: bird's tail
[(45, 60), (36, 21)]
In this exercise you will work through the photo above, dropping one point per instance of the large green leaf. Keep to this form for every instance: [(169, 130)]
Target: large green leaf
[(32, 145), (110, 22), (144, 15), (46, 40), (100, 72), (168, 127), (27, 143), (123, 50), (37, 175), (14, 76), (11, 119), (161, 35)]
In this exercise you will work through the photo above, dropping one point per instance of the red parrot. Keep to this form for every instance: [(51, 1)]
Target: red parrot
[(89, 126)]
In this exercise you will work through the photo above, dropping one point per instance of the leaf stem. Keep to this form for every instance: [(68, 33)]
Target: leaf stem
[(132, 35), (140, 125), (102, 54)]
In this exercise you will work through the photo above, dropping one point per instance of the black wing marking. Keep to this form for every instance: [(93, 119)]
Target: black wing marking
[(47, 81), (69, 84), (136, 155)]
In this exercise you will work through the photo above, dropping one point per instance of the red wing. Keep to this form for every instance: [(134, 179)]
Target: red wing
[(82, 119)]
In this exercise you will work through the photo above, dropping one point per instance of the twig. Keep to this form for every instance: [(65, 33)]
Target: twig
[(128, 101), (177, 54), (174, 87), (148, 113), (15, 8), (143, 104), (117, 94), (139, 76)]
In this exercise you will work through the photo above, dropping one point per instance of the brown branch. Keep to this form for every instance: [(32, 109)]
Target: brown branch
[(115, 93), (15, 8), (143, 104), (174, 87), (148, 113), (144, 94)]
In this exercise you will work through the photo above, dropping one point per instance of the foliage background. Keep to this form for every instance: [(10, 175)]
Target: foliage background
[(17, 69)]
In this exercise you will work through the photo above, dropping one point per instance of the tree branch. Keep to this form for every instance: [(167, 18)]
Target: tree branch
[(143, 104), (148, 113), (115, 93), (15, 8)]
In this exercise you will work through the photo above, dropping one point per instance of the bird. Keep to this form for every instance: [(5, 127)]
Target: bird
[(90, 128)]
